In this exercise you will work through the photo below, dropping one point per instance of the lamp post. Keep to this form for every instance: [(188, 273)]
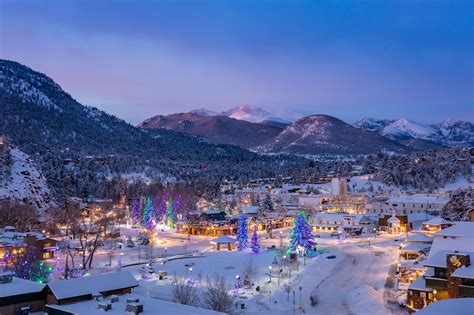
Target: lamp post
[(301, 297), (166, 252), (375, 233), (434, 295), (270, 273)]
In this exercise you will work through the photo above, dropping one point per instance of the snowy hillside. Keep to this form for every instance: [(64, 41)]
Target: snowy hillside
[(22, 181), (449, 133), (404, 128)]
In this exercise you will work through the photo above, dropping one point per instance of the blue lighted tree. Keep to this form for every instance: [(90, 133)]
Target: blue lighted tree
[(255, 245), (242, 233), (301, 237)]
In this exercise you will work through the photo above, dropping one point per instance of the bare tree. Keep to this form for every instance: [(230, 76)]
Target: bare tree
[(249, 272), (110, 250), (183, 292), (23, 217), (217, 296), (287, 289)]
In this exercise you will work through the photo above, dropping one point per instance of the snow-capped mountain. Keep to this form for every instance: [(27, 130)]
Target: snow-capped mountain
[(421, 136), (406, 129), (322, 134), (252, 114), (21, 180), (372, 124), (204, 112)]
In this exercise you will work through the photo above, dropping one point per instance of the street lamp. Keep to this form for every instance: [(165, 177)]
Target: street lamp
[(301, 298), (166, 250), (434, 295), (270, 273)]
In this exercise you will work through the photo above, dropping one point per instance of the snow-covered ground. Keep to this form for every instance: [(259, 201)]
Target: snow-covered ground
[(351, 283)]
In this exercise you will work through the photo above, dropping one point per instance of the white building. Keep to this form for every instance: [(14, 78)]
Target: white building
[(339, 186), (408, 204)]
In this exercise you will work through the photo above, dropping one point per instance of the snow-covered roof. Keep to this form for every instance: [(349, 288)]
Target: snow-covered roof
[(436, 221), (20, 286), (459, 229), (439, 259), (250, 209), (464, 272), (418, 238), (223, 240), (63, 289), (418, 217), (459, 244), (329, 216), (419, 199), (393, 219), (415, 247), (150, 306), (463, 306), (419, 285)]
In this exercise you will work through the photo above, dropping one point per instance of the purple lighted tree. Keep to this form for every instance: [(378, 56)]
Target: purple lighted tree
[(255, 246), (136, 212)]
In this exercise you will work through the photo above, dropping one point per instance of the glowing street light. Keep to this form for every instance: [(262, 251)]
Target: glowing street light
[(270, 273)]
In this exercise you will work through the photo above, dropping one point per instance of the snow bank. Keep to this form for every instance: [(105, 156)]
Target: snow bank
[(366, 300)]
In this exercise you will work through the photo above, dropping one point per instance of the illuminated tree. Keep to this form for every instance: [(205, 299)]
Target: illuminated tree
[(301, 237), (242, 233), (255, 246)]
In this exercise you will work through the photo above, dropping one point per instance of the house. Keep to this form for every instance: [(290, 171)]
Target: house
[(18, 295), (415, 245), (450, 269), (351, 223), (451, 306), (127, 304), (82, 289), (409, 204), (396, 223), (435, 224), (225, 241)]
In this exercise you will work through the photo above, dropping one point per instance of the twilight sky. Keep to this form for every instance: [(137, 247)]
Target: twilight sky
[(350, 59)]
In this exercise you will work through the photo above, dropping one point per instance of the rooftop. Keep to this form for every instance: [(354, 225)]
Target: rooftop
[(20, 286), (150, 306), (459, 229), (63, 289), (449, 306)]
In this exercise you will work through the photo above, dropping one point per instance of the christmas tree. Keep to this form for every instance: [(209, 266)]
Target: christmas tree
[(242, 233), (170, 220), (150, 215), (136, 213), (301, 237), (255, 245)]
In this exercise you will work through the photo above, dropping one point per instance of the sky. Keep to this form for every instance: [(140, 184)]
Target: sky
[(350, 59)]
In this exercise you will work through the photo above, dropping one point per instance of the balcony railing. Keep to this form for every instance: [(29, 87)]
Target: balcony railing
[(435, 283), (466, 291)]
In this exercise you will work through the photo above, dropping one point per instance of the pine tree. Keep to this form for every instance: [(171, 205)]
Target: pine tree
[(255, 245), (242, 233), (170, 219), (267, 204), (150, 215), (136, 213), (301, 237)]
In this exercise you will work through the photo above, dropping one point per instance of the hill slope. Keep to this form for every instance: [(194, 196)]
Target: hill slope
[(216, 129), (322, 134)]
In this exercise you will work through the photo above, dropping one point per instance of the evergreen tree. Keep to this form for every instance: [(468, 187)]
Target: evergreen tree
[(255, 246), (267, 204), (242, 233), (170, 219), (136, 213), (301, 237), (150, 215)]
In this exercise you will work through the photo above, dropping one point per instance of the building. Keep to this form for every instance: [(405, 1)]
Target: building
[(415, 246), (19, 295), (450, 269), (83, 289), (334, 222), (127, 304), (431, 204), (339, 186), (347, 203), (402, 223), (435, 225)]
